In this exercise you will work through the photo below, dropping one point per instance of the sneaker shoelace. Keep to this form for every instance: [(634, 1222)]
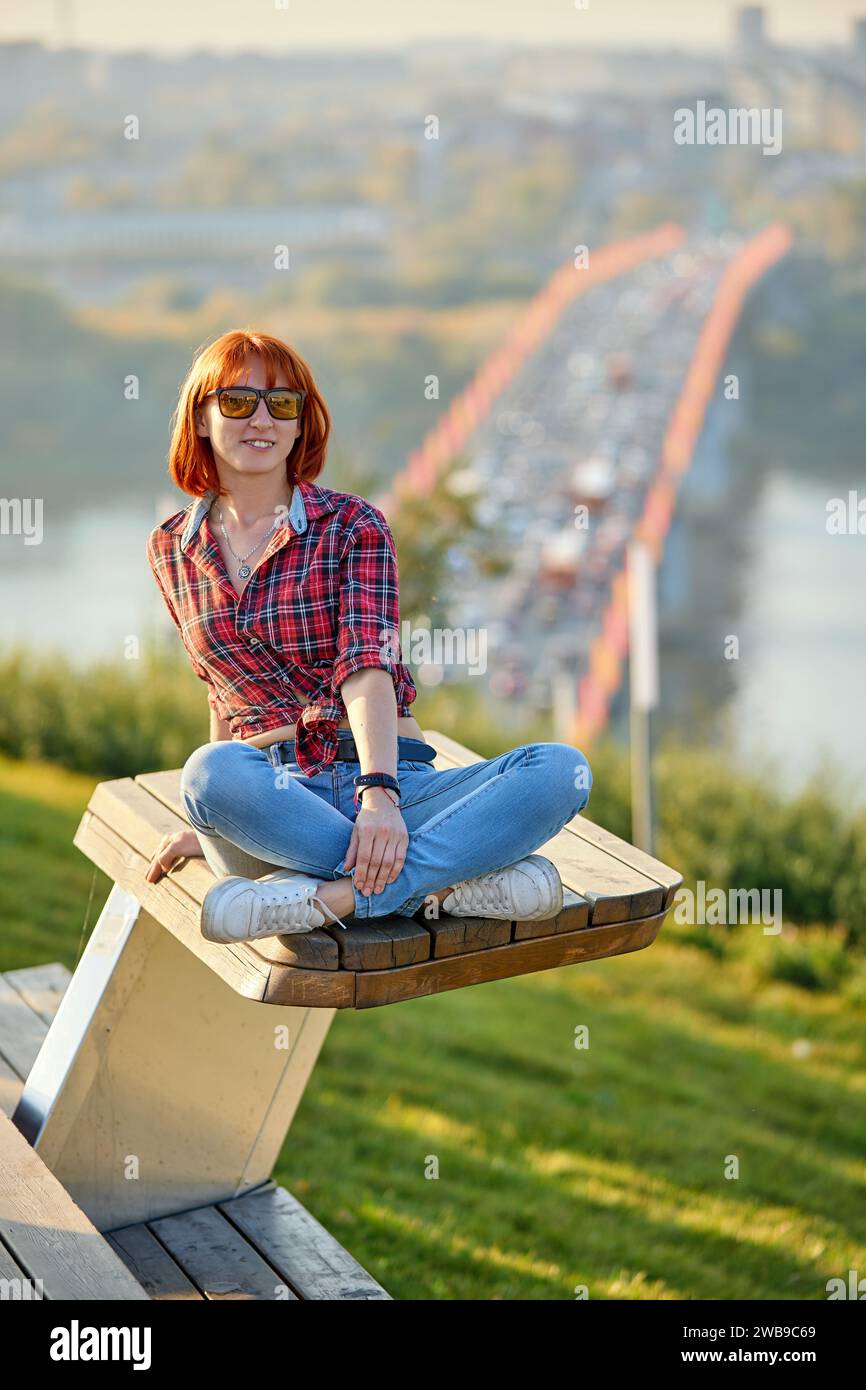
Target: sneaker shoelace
[(487, 891), (323, 907), (283, 913)]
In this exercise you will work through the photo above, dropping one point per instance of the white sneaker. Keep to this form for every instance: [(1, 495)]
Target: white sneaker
[(279, 903), (527, 891)]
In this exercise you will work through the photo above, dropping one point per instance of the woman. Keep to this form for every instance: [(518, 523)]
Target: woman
[(315, 798)]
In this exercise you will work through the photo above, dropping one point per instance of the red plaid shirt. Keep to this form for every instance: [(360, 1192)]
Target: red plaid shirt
[(322, 603)]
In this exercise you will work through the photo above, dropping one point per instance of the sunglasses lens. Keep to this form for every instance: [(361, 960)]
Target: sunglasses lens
[(285, 405), (237, 404)]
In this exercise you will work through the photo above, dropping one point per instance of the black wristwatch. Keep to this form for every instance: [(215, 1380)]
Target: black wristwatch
[(375, 779)]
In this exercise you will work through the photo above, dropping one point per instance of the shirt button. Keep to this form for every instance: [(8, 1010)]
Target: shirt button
[(254, 641)]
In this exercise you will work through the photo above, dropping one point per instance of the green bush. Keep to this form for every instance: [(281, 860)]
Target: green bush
[(114, 719), (815, 958), (732, 828)]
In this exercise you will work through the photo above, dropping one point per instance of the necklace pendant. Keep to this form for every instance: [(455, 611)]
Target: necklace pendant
[(244, 571)]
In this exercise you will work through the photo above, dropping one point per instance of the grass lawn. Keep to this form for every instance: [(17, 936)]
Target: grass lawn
[(462, 1147)]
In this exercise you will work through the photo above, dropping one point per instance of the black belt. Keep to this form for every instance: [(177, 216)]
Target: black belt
[(415, 750)]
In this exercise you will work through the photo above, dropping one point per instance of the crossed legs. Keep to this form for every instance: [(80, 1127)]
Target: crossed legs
[(462, 822)]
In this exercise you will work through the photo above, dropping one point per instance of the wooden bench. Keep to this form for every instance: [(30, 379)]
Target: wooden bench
[(160, 1056), (616, 900)]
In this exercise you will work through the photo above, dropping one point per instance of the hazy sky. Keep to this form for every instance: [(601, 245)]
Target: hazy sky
[(176, 25)]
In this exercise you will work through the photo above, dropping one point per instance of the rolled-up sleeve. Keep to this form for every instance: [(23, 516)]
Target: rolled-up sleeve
[(369, 626)]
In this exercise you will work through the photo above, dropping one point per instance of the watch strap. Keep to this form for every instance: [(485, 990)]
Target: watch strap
[(374, 779)]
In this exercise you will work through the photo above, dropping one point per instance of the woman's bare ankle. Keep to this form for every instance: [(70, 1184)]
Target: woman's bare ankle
[(339, 895)]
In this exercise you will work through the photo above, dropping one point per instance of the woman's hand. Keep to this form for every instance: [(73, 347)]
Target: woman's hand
[(379, 842), (183, 844)]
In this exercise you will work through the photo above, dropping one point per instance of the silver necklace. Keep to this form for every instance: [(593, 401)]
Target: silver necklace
[(244, 570)]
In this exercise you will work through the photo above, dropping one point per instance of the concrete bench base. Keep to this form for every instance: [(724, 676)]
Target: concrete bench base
[(262, 1245), (158, 1088)]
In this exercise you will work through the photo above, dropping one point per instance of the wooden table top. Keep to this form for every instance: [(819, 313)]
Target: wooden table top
[(616, 898)]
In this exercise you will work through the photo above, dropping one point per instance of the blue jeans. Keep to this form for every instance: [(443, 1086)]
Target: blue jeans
[(254, 814)]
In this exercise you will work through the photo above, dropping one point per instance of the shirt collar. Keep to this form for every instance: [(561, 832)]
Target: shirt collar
[(308, 502)]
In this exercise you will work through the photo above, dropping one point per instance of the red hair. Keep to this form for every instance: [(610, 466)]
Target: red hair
[(223, 363)]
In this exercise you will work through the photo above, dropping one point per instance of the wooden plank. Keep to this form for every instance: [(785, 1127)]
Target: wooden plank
[(310, 989), (142, 820), (217, 1258), (392, 986), (48, 1235), (612, 884), (11, 1086), (456, 936), (314, 950), (306, 1255), (615, 892), (381, 943), (574, 916), (165, 787), (10, 1270), (22, 1031), (454, 754), (167, 903), (667, 878), (503, 962), (29, 999), (298, 949), (151, 1264), (41, 987)]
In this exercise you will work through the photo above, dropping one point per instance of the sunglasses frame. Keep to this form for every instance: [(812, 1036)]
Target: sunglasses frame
[(261, 393)]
